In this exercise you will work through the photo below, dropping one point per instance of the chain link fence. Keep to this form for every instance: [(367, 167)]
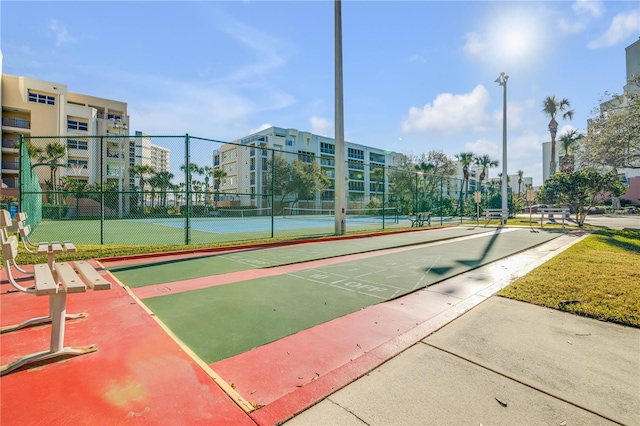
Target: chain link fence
[(143, 189)]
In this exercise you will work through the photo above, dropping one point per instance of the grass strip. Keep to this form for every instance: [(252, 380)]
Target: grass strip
[(598, 278)]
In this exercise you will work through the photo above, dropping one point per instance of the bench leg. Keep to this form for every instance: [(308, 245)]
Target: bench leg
[(58, 304), (39, 320)]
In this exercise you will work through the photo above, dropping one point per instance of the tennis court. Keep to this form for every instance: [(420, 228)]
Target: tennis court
[(223, 225), (226, 304)]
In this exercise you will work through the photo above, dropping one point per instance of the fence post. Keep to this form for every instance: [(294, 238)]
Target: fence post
[(187, 205), (23, 152), (102, 154), (383, 194), (273, 183)]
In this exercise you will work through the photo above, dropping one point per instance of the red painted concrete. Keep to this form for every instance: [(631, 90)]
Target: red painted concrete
[(139, 375), (293, 373)]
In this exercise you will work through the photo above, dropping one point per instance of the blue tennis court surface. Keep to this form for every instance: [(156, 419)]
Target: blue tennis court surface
[(257, 224)]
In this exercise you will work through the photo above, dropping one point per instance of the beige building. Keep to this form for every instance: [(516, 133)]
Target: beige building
[(32, 107)]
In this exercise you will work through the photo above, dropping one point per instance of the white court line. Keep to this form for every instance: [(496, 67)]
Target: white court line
[(425, 274)]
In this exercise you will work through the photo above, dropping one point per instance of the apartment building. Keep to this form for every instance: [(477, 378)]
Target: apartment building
[(243, 162), (32, 107), (143, 152)]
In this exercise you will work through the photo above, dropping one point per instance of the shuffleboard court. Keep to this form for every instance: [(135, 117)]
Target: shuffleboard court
[(151, 273), (218, 322)]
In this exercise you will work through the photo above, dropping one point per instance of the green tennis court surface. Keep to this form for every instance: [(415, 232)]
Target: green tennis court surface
[(175, 270), (221, 321)]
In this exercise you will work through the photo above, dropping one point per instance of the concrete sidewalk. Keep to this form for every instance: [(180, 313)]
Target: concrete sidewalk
[(502, 362)]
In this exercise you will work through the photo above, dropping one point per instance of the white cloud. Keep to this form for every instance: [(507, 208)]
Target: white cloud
[(474, 45), (261, 127), (593, 8), (321, 126), (451, 113), (61, 33), (569, 27), (622, 26), (417, 58), (483, 146), (264, 45)]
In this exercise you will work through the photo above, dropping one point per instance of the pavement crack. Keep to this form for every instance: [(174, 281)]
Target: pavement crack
[(348, 411), (537, 389)]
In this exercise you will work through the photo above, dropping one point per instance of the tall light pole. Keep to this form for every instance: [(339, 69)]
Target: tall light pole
[(502, 81), (339, 179), (121, 157)]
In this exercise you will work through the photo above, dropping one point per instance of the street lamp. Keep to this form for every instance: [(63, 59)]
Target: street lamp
[(502, 81), (121, 157)]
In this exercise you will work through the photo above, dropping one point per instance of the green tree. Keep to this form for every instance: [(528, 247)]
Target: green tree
[(581, 190), (486, 163), (613, 134), (308, 179), (377, 175), (520, 176), (466, 159), (51, 155), (141, 170), (569, 140), (218, 177), (551, 107)]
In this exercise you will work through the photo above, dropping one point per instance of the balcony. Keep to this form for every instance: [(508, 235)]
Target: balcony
[(9, 165), (115, 154), (21, 123), (10, 183), (10, 143)]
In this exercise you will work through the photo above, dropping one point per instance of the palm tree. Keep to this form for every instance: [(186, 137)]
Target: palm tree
[(568, 141), (141, 170), (520, 175), (163, 182), (208, 171), (51, 155), (424, 169), (486, 163), (377, 174), (466, 159), (551, 107), (218, 176)]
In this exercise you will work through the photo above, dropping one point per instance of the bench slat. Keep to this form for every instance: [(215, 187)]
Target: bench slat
[(93, 279), (43, 248), (68, 246), (69, 279), (56, 247), (45, 283)]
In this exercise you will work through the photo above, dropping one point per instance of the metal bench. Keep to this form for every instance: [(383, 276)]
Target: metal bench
[(494, 214), (55, 284), (420, 219), (551, 212), (50, 249)]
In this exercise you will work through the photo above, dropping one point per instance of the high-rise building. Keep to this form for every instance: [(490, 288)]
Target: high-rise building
[(32, 107), (244, 162)]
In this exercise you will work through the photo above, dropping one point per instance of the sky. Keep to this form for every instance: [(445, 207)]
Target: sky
[(418, 75)]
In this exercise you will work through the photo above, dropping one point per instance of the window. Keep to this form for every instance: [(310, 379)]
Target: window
[(357, 165), (71, 161), (327, 148), (114, 117), (305, 157), (42, 99), (355, 153), (290, 142), (74, 144), (77, 125)]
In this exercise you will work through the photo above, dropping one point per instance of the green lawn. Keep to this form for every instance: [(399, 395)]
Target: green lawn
[(598, 277)]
